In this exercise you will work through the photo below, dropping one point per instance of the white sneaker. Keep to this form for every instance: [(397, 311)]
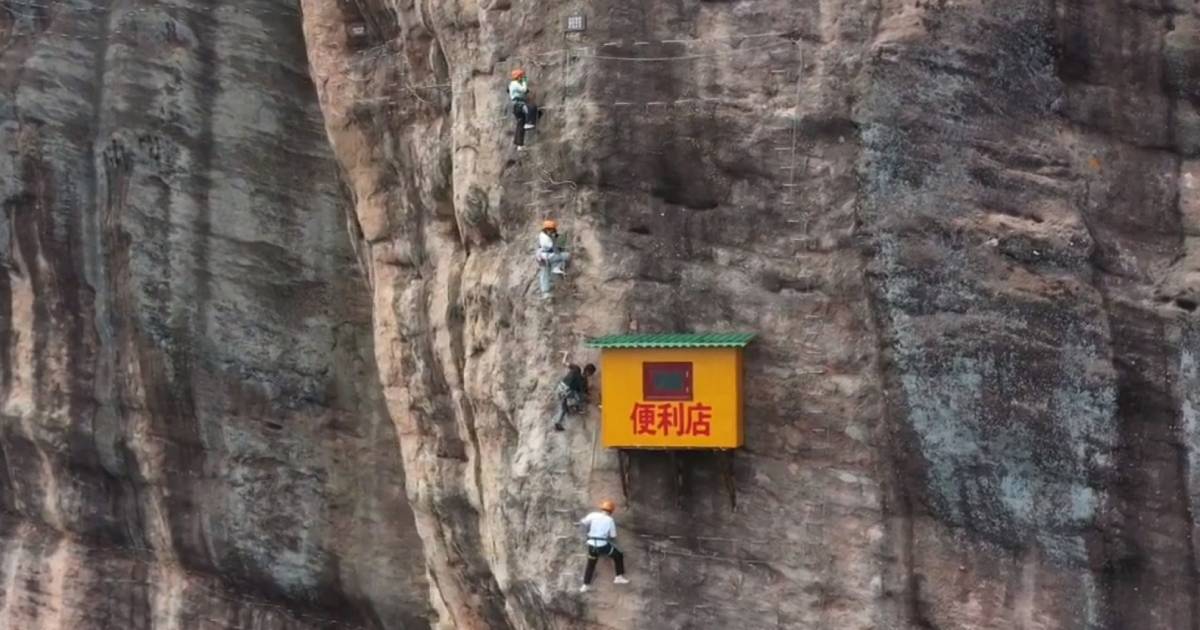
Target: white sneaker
[(583, 589), (528, 126), (620, 579), (521, 148), (559, 271)]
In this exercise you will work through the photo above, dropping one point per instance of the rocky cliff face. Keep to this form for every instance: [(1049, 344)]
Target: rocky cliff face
[(192, 435), (263, 374)]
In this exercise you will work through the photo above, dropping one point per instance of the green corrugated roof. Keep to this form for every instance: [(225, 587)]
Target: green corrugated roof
[(673, 340)]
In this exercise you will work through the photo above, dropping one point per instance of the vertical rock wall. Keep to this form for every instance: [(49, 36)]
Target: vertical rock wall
[(960, 228), (191, 430), (691, 200), (1022, 181), (242, 289)]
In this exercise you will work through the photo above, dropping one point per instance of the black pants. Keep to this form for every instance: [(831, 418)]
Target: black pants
[(594, 554), (524, 113)]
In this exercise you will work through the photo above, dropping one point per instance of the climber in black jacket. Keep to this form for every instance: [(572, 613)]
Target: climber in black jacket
[(572, 390)]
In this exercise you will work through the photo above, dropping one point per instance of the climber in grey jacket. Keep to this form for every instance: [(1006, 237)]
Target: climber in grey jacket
[(551, 259)]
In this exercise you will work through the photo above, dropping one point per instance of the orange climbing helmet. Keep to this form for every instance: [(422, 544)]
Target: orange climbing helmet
[(608, 506), (518, 74), (549, 224)]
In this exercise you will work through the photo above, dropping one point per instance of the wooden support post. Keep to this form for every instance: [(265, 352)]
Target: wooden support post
[(677, 470), (623, 462), (727, 474)]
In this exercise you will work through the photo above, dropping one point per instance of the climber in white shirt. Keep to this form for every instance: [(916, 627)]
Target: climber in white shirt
[(601, 537), (549, 256)]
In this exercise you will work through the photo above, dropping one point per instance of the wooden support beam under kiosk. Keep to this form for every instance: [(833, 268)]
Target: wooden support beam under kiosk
[(678, 465), (623, 462), (678, 473), (727, 473)]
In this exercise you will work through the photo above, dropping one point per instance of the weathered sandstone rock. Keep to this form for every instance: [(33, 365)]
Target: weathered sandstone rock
[(190, 425), (235, 307)]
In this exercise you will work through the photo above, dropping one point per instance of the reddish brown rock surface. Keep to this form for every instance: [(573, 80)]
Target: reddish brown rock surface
[(963, 231), (190, 425)]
